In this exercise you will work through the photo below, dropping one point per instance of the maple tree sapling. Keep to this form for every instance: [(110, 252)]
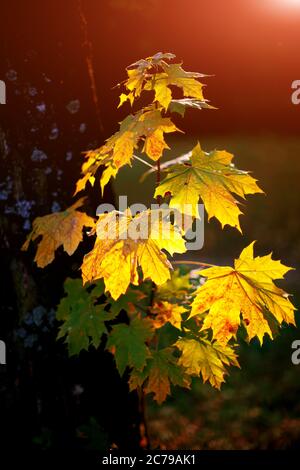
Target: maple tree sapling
[(179, 326)]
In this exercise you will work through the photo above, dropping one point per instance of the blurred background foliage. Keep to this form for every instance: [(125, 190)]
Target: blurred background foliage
[(258, 406)]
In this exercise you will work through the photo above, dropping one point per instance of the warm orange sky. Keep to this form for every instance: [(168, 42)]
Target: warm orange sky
[(251, 46)]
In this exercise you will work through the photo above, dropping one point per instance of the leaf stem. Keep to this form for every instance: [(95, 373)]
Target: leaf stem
[(145, 310), (143, 161), (197, 263), (159, 198)]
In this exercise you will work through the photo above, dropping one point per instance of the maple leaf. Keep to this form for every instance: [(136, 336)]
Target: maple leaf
[(208, 359), (61, 228), (83, 321), (165, 312), (212, 178), (135, 81), (153, 127), (148, 126), (160, 372), (155, 73), (128, 301), (247, 290), (128, 343), (124, 98), (81, 183), (156, 59), (179, 106), (124, 243), (138, 74), (173, 74), (177, 287)]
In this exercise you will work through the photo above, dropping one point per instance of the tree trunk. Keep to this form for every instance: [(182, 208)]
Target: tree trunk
[(49, 401)]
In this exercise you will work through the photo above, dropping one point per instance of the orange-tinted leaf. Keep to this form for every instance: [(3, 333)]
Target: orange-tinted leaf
[(160, 372), (246, 290), (124, 243), (61, 228)]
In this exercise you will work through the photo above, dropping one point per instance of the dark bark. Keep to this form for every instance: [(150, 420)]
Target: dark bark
[(42, 405)]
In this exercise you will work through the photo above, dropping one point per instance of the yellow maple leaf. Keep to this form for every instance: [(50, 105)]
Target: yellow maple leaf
[(153, 128), (93, 160), (124, 147), (155, 73), (212, 178), (135, 80), (124, 98), (179, 106), (247, 290), (147, 126), (110, 171), (61, 228), (165, 312), (140, 72), (205, 358), (174, 74), (81, 183), (124, 243)]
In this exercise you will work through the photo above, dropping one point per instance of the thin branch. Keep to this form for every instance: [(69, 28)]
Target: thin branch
[(158, 172), (164, 166), (144, 309), (159, 198), (144, 161), (197, 263), (90, 66), (144, 435)]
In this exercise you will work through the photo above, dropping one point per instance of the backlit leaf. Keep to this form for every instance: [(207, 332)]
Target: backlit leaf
[(247, 290), (165, 312), (174, 75), (200, 357), (61, 228), (214, 179), (160, 372), (156, 73), (177, 288), (146, 127), (179, 106), (124, 243)]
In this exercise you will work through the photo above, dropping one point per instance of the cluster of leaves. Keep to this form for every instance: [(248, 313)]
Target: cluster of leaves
[(177, 326), (148, 125)]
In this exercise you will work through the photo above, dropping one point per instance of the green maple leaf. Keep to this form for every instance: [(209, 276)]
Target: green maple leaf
[(83, 320), (178, 287), (128, 343), (160, 372)]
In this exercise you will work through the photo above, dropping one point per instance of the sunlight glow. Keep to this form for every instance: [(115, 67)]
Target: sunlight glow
[(288, 3), (280, 6)]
